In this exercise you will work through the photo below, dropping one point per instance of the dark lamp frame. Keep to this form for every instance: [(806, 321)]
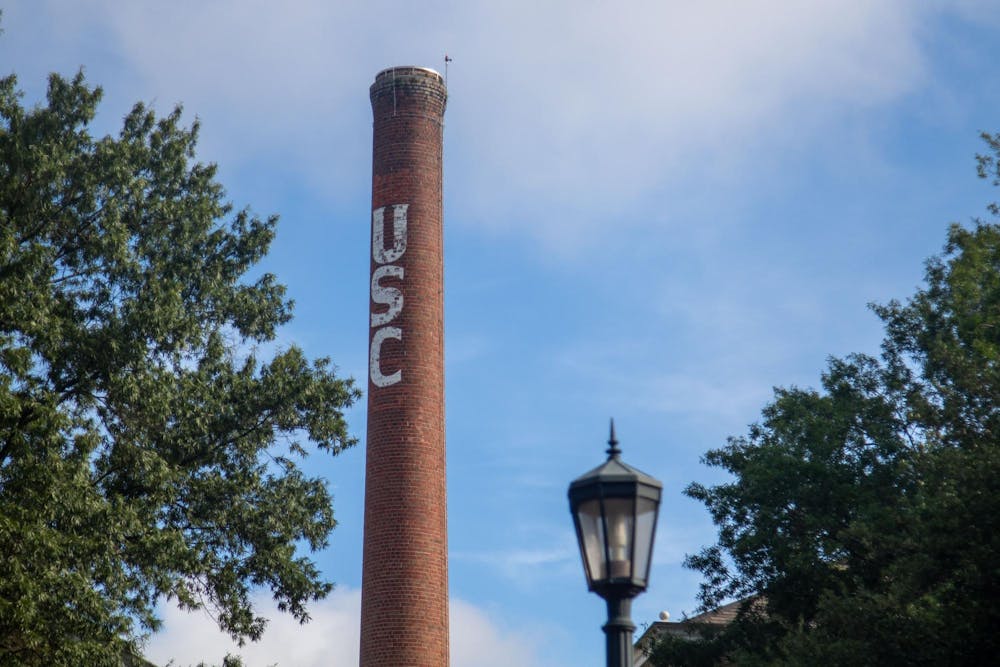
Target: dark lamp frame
[(615, 509)]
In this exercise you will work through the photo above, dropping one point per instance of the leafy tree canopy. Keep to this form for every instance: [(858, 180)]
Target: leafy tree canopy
[(866, 514), (147, 450)]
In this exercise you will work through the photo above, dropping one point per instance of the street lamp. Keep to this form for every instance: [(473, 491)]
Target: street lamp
[(614, 508)]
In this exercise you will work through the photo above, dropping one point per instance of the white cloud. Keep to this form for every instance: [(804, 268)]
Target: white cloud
[(581, 109), (559, 111), (331, 638), (479, 639)]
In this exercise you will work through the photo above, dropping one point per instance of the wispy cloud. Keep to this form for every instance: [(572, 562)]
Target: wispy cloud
[(513, 562), (554, 552)]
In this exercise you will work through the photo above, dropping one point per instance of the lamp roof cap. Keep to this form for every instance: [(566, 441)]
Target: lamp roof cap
[(614, 469)]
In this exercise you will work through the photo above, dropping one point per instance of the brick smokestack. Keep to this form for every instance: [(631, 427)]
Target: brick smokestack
[(404, 592)]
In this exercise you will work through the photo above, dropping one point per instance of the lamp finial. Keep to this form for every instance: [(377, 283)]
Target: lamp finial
[(613, 451)]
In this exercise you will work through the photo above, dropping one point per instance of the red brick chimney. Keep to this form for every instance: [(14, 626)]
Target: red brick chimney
[(404, 591)]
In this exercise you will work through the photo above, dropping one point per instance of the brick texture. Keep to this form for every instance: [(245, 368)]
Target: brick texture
[(404, 605)]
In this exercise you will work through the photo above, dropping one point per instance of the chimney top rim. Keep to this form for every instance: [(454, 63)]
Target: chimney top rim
[(418, 68)]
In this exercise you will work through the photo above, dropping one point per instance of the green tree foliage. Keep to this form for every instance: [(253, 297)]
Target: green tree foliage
[(146, 451), (866, 514)]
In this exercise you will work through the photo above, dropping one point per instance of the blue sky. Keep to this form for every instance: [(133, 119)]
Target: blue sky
[(655, 211)]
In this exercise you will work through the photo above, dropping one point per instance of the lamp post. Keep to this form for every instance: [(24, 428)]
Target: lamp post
[(614, 508)]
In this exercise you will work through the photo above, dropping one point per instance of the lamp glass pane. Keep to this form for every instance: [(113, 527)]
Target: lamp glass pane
[(644, 528), (619, 516), (592, 538)]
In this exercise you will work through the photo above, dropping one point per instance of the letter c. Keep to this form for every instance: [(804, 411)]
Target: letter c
[(375, 357)]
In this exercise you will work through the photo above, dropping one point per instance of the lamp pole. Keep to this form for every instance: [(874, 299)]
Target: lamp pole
[(618, 632), (614, 508)]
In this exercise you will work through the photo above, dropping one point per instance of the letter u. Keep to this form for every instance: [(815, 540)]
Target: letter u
[(380, 253)]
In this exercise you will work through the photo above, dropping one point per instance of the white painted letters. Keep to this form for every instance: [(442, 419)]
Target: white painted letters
[(379, 251), (375, 357), (383, 294), (390, 296)]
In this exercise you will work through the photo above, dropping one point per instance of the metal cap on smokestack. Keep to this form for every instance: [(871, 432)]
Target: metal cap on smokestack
[(404, 597)]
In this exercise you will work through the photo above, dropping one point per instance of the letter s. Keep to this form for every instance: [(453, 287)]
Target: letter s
[(390, 296)]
